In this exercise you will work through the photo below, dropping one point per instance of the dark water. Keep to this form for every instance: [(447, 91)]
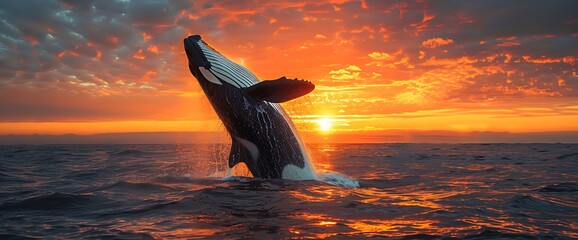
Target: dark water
[(407, 191)]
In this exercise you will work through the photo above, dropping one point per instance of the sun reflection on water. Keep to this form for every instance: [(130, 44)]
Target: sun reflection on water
[(379, 227), (406, 195)]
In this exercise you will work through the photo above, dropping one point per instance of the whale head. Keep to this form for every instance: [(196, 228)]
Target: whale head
[(212, 68)]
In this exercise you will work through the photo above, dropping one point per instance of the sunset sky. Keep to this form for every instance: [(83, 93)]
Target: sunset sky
[(86, 67)]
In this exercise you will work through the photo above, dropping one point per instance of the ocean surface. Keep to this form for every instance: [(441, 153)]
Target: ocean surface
[(393, 191)]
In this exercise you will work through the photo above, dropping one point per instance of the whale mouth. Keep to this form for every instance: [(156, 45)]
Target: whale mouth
[(194, 52)]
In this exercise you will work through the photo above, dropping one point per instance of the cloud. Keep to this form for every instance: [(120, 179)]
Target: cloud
[(347, 73), (374, 56), (436, 42), (379, 56)]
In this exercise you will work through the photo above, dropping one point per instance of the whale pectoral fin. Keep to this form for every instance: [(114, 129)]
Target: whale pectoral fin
[(279, 90), (238, 154)]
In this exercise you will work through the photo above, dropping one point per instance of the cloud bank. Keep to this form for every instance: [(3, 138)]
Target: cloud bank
[(123, 60)]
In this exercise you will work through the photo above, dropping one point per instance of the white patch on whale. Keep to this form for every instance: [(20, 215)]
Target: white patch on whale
[(293, 172), (209, 76), (250, 146)]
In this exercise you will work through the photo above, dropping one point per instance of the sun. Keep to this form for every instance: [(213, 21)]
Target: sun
[(325, 124)]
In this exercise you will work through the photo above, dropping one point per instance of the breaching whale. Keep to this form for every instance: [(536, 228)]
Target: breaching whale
[(263, 136)]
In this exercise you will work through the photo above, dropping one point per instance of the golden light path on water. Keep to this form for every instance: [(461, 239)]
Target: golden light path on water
[(406, 190)]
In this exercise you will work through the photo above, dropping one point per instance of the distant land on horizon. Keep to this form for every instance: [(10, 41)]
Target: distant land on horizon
[(386, 136)]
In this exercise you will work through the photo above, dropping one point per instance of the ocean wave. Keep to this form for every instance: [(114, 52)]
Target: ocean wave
[(332, 178), (146, 206), (188, 179), (20, 151), (174, 179), (560, 187), (537, 204), (125, 186), (338, 179), (130, 152), (93, 233), (566, 156), (6, 178), (253, 200), (237, 179), (496, 234), (51, 201), (153, 192), (17, 236)]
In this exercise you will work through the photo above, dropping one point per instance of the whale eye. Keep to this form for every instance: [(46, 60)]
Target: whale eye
[(209, 76)]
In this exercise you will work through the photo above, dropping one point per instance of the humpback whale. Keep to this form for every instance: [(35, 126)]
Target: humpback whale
[(263, 136)]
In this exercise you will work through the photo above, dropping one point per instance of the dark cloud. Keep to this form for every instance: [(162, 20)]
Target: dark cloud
[(494, 19)]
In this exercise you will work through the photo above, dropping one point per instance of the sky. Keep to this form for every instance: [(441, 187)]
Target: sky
[(88, 67)]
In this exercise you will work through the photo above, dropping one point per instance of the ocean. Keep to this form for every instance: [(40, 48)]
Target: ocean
[(382, 191)]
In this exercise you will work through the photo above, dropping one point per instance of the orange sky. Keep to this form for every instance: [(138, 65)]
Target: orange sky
[(119, 66)]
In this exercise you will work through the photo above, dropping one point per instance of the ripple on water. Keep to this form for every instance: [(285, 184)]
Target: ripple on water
[(51, 201), (536, 204), (125, 186), (560, 188), (387, 191), (338, 179)]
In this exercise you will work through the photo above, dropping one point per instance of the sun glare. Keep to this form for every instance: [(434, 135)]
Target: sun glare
[(325, 124)]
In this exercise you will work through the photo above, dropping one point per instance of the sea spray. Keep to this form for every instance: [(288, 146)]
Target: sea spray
[(338, 179)]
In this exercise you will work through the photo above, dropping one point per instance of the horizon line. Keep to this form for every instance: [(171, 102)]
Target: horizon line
[(380, 136)]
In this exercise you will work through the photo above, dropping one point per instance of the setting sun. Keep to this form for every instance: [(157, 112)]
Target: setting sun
[(325, 124)]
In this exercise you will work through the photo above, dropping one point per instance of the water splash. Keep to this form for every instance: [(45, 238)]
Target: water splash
[(236, 179), (338, 179)]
